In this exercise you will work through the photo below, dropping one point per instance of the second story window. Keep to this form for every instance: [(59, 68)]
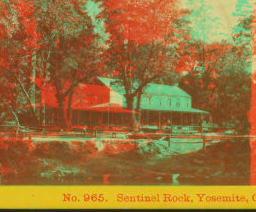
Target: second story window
[(189, 103), (178, 103)]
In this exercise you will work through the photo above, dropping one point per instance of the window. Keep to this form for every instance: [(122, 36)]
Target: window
[(189, 103), (178, 103), (170, 102), (150, 99)]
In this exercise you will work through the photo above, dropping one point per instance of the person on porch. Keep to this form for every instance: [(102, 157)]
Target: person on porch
[(169, 127)]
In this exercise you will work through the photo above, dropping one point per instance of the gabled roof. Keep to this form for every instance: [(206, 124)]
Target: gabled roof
[(165, 90), (83, 97), (80, 88), (151, 88), (112, 84)]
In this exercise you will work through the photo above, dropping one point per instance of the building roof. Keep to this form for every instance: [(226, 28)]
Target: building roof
[(155, 89), (96, 91), (151, 88), (185, 110), (84, 95), (81, 88)]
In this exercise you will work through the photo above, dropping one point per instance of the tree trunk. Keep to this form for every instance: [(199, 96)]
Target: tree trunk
[(62, 119), (16, 117), (138, 109), (27, 97), (129, 102), (33, 75), (69, 105)]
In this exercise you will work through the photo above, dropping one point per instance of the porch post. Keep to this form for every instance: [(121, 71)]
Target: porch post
[(108, 116), (101, 114), (122, 119), (142, 116), (44, 114), (192, 121), (40, 114), (90, 118), (181, 117), (159, 118), (147, 118), (112, 119), (171, 117), (78, 118)]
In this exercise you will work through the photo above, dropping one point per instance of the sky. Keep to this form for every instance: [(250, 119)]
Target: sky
[(213, 23), (218, 19), (93, 10)]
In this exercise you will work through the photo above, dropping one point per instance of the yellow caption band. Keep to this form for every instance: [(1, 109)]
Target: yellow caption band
[(128, 197)]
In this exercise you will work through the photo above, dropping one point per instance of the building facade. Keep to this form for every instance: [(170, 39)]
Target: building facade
[(103, 103), (161, 104)]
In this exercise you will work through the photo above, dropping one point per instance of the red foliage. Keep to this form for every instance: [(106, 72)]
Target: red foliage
[(140, 20), (196, 52), (18, 32)]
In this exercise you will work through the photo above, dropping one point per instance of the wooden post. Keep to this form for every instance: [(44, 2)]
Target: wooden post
[(44, 115), (90, 118), (40, 114), (171, 117), (108, 116), (122, 119), (203, 142), (192, 121), (102, 118), (141, 119), (112, 119), (147, 118), (159, 119), (181, 118), (78, 117)]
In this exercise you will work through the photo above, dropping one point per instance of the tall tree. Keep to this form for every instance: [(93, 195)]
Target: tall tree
[(203, 63), (143, 42), (18, 41), (55, 38), (221, 78), (69, 50)]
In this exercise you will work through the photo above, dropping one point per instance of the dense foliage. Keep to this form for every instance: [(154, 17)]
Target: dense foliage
[(136, 42)]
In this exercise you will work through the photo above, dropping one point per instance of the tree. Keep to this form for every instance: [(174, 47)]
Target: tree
[(203, 63), (243, 63), (18, 41), (54, 38), (143, 43), (243, 40), (69, 52), (220, 78)]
